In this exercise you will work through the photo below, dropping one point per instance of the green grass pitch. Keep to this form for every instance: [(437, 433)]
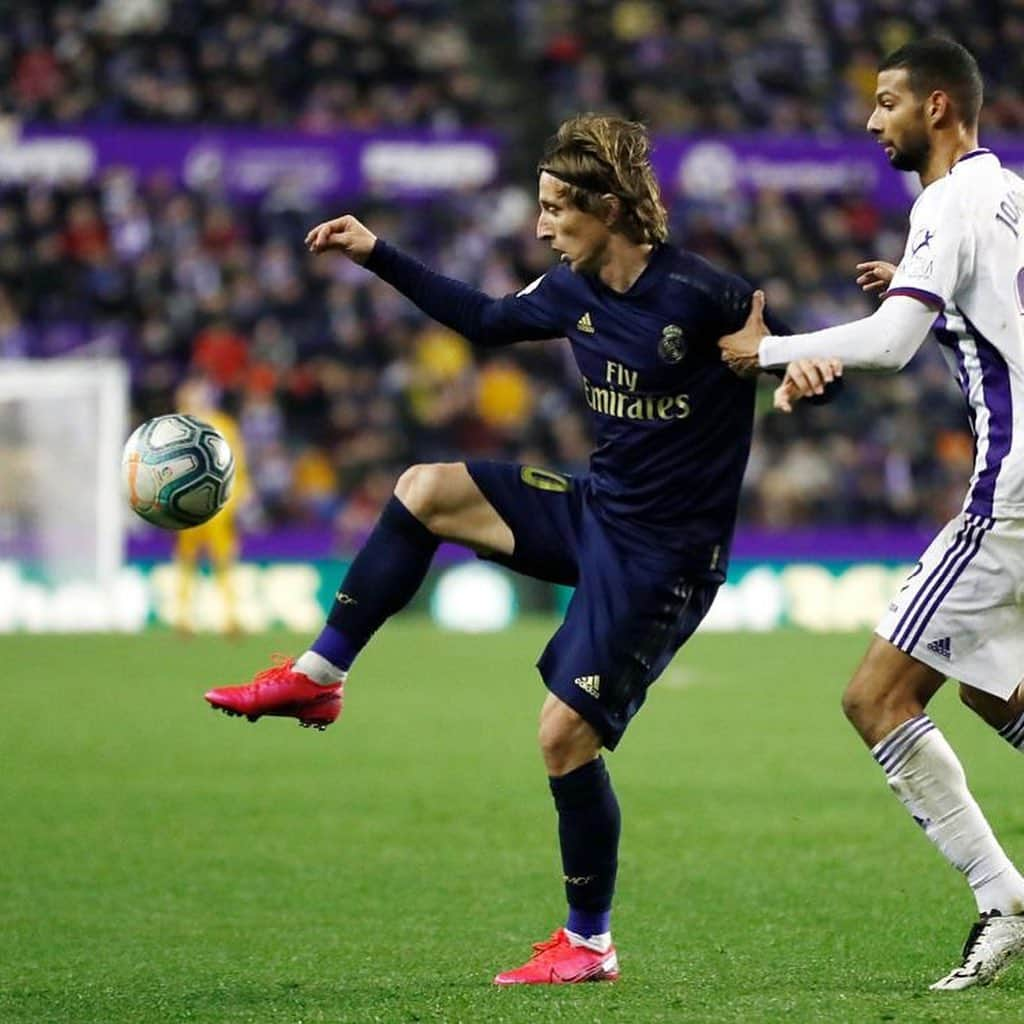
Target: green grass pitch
[(163, 863)]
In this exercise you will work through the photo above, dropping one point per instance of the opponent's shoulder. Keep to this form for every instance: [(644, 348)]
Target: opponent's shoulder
[(970, 182), (1013, 181), (963, 202)]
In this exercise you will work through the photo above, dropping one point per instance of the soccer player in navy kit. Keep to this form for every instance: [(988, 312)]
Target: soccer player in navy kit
[(644, 537)]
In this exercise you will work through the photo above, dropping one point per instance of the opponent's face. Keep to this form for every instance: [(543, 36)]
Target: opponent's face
[(579, 238), (898, 121)]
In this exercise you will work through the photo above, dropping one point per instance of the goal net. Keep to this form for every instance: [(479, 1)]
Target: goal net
[(62, 425)]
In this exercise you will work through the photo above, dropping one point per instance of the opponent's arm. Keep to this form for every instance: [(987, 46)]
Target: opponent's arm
[(481, 319), (819, 378), (883, 341)]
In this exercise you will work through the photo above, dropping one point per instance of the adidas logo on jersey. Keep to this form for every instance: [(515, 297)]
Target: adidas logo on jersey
[(941, 647), (584, 324), (591, 684)]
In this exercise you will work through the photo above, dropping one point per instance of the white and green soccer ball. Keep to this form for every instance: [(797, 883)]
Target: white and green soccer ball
[(177, 471)]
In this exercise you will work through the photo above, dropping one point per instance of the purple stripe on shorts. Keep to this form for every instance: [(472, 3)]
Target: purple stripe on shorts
[(928, 298), (940, 596), (998, 399), (935, 578)]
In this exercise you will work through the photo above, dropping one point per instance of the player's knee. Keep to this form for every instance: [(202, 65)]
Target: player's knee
[(566, 739), (860, 703), (421, 490), (557, 749), (852, 700)]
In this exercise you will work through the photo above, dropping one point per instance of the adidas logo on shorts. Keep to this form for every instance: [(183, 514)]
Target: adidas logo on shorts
[(591, 684), (941, 647)]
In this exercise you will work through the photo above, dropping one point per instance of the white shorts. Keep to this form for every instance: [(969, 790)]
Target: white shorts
[(960, 610)]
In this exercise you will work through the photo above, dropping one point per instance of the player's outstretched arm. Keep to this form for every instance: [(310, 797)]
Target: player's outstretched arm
[(483, 320), (345, 234)]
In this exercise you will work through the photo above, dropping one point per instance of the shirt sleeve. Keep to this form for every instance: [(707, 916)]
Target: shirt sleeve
[(939, 250), (886, 340), (529, 315)]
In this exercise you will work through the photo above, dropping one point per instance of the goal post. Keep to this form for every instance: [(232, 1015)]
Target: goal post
[(62, 425)]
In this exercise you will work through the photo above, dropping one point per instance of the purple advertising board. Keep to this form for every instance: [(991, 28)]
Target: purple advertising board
[(715, 168), (812, 544), (249, 162), (411, 164)]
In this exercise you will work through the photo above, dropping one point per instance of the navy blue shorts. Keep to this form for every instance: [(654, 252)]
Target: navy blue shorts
[(631, 610)]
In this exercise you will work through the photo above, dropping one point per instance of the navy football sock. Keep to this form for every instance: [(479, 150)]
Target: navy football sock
[(381, 580), (588, 831)]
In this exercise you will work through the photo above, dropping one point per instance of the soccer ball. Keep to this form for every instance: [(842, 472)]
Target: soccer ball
[(177, 471)]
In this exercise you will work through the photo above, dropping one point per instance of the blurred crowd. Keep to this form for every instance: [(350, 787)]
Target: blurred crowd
[(310, 64), (739, 65), (744, 65), (338, 382)]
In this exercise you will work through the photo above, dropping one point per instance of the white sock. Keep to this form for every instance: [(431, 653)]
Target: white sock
[(924, 772), (598, 943), (319, 669)]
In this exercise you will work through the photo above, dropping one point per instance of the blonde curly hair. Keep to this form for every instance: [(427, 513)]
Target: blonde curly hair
[(599, 154)]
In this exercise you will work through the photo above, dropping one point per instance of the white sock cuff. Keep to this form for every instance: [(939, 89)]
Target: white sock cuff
[(598, 943), (319, 669), (892, 752)]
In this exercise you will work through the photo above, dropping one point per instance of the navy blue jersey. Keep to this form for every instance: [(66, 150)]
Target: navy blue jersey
[(672, 423)]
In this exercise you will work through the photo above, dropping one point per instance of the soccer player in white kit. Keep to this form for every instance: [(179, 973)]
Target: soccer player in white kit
[(960, 613)]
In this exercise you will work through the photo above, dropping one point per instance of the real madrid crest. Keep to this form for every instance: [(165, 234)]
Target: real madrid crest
[(672, 347)]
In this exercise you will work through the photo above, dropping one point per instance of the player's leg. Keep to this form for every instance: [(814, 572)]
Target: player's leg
[(955, 616), (885, 701), (589, 824), (223, 549), (589, 821), (627, 618), (186, 563), (431, 503)]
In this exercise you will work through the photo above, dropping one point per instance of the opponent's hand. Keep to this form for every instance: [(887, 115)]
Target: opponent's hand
[(345, 233), (805, 377), (875, 275), (739, 350)]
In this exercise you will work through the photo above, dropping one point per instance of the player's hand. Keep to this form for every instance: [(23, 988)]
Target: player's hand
[(875, 275), (806, 377), (739, 350), (345, 233)]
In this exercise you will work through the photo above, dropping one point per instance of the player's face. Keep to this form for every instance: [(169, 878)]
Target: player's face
[(579, 238), (898, 121)]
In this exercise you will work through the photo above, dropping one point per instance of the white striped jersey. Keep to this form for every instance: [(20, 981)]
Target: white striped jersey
[(965, 257)]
